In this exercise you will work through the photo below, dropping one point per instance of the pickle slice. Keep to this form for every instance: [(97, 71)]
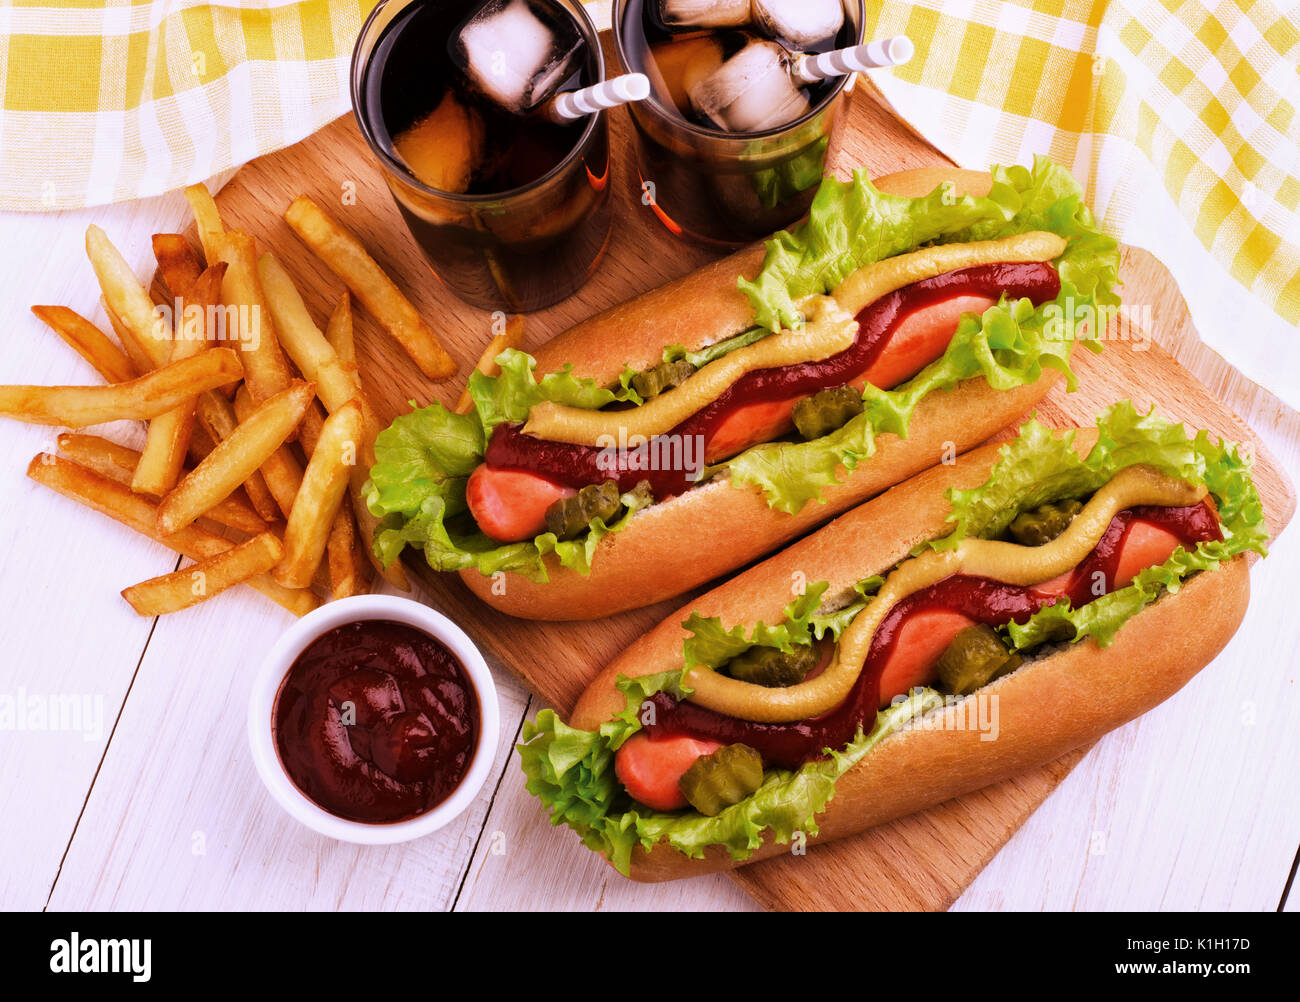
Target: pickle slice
[(826, 411), (568, 517), (716, 782), (975, 657), (661, 378), (773, 667), (1043, 524)]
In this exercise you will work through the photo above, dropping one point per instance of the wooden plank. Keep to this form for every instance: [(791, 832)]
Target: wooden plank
[(334, 169), (70, 642), (179, 817)]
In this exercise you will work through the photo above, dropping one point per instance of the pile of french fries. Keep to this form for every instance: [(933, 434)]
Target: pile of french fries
[(256, 449)]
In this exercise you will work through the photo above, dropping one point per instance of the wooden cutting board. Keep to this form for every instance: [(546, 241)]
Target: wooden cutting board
[(921, 862)]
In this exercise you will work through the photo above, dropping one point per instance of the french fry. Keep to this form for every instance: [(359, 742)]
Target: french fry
[(201, 443), (140, 514), (339, 331), (159, 292), (178, 265), (108, 459), (265, 370), (118, 463), (348, 567), (236, 458), (140, 359), (217, 418), (236, 513), (349, 260), (200, 581), (127, 299), (511, 337), (364, 523), (282, 472), (89, 342), (207, 220), (169, 434), (323, 486), (309, 431), (137, 399), (302, 340), (317, 359)]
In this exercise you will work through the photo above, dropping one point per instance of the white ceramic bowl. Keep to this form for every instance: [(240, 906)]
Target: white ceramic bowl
[(281, 659)]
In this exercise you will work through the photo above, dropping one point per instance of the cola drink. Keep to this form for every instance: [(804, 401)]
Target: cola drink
[(729, 146), (510, 208)]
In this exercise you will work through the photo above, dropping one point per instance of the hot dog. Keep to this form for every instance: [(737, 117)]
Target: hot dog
[(976, 621), (697, 427)]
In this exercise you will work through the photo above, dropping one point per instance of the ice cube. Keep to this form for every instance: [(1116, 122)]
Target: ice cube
[(516, 54), (445, 147), (801, 23), (704, 13), (751, 91), (678, 65)]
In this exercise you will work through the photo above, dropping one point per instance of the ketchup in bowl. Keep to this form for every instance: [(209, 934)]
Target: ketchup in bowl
[(376, 721)]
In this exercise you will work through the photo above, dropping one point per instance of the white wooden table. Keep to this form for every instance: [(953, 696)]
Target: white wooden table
[(149, 800)]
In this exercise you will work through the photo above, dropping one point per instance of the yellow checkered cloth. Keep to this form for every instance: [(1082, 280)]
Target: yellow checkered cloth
[(1179, 117), (118, 99)]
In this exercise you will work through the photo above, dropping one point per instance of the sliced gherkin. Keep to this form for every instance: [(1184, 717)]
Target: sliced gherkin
[(975, 658), (715, 782), (773, 667), (827, 411), (661, 378), (568, 517), (1043, 524)]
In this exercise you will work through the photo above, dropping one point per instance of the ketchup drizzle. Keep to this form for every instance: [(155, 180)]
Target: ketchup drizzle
[(578, 465), (981, 599)]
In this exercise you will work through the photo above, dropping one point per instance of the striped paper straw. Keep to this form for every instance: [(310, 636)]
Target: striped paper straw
[(606, 94), (869, 56)]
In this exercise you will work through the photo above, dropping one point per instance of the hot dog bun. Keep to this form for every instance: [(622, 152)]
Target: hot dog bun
[(1046, 708), (660, 553), (678, 544), (703, 307)]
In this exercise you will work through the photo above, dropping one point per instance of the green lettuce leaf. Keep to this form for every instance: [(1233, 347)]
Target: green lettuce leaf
[(424, 458), (833, 623), (1040, 465), (516, 391), (572, 772), (1126, 438), (1009, 345), (712, 645), (713, 352), (699, 359), (451, 541), (852, 224)]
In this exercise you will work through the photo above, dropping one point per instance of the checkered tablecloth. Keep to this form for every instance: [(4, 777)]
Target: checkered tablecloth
[(108, 100)]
